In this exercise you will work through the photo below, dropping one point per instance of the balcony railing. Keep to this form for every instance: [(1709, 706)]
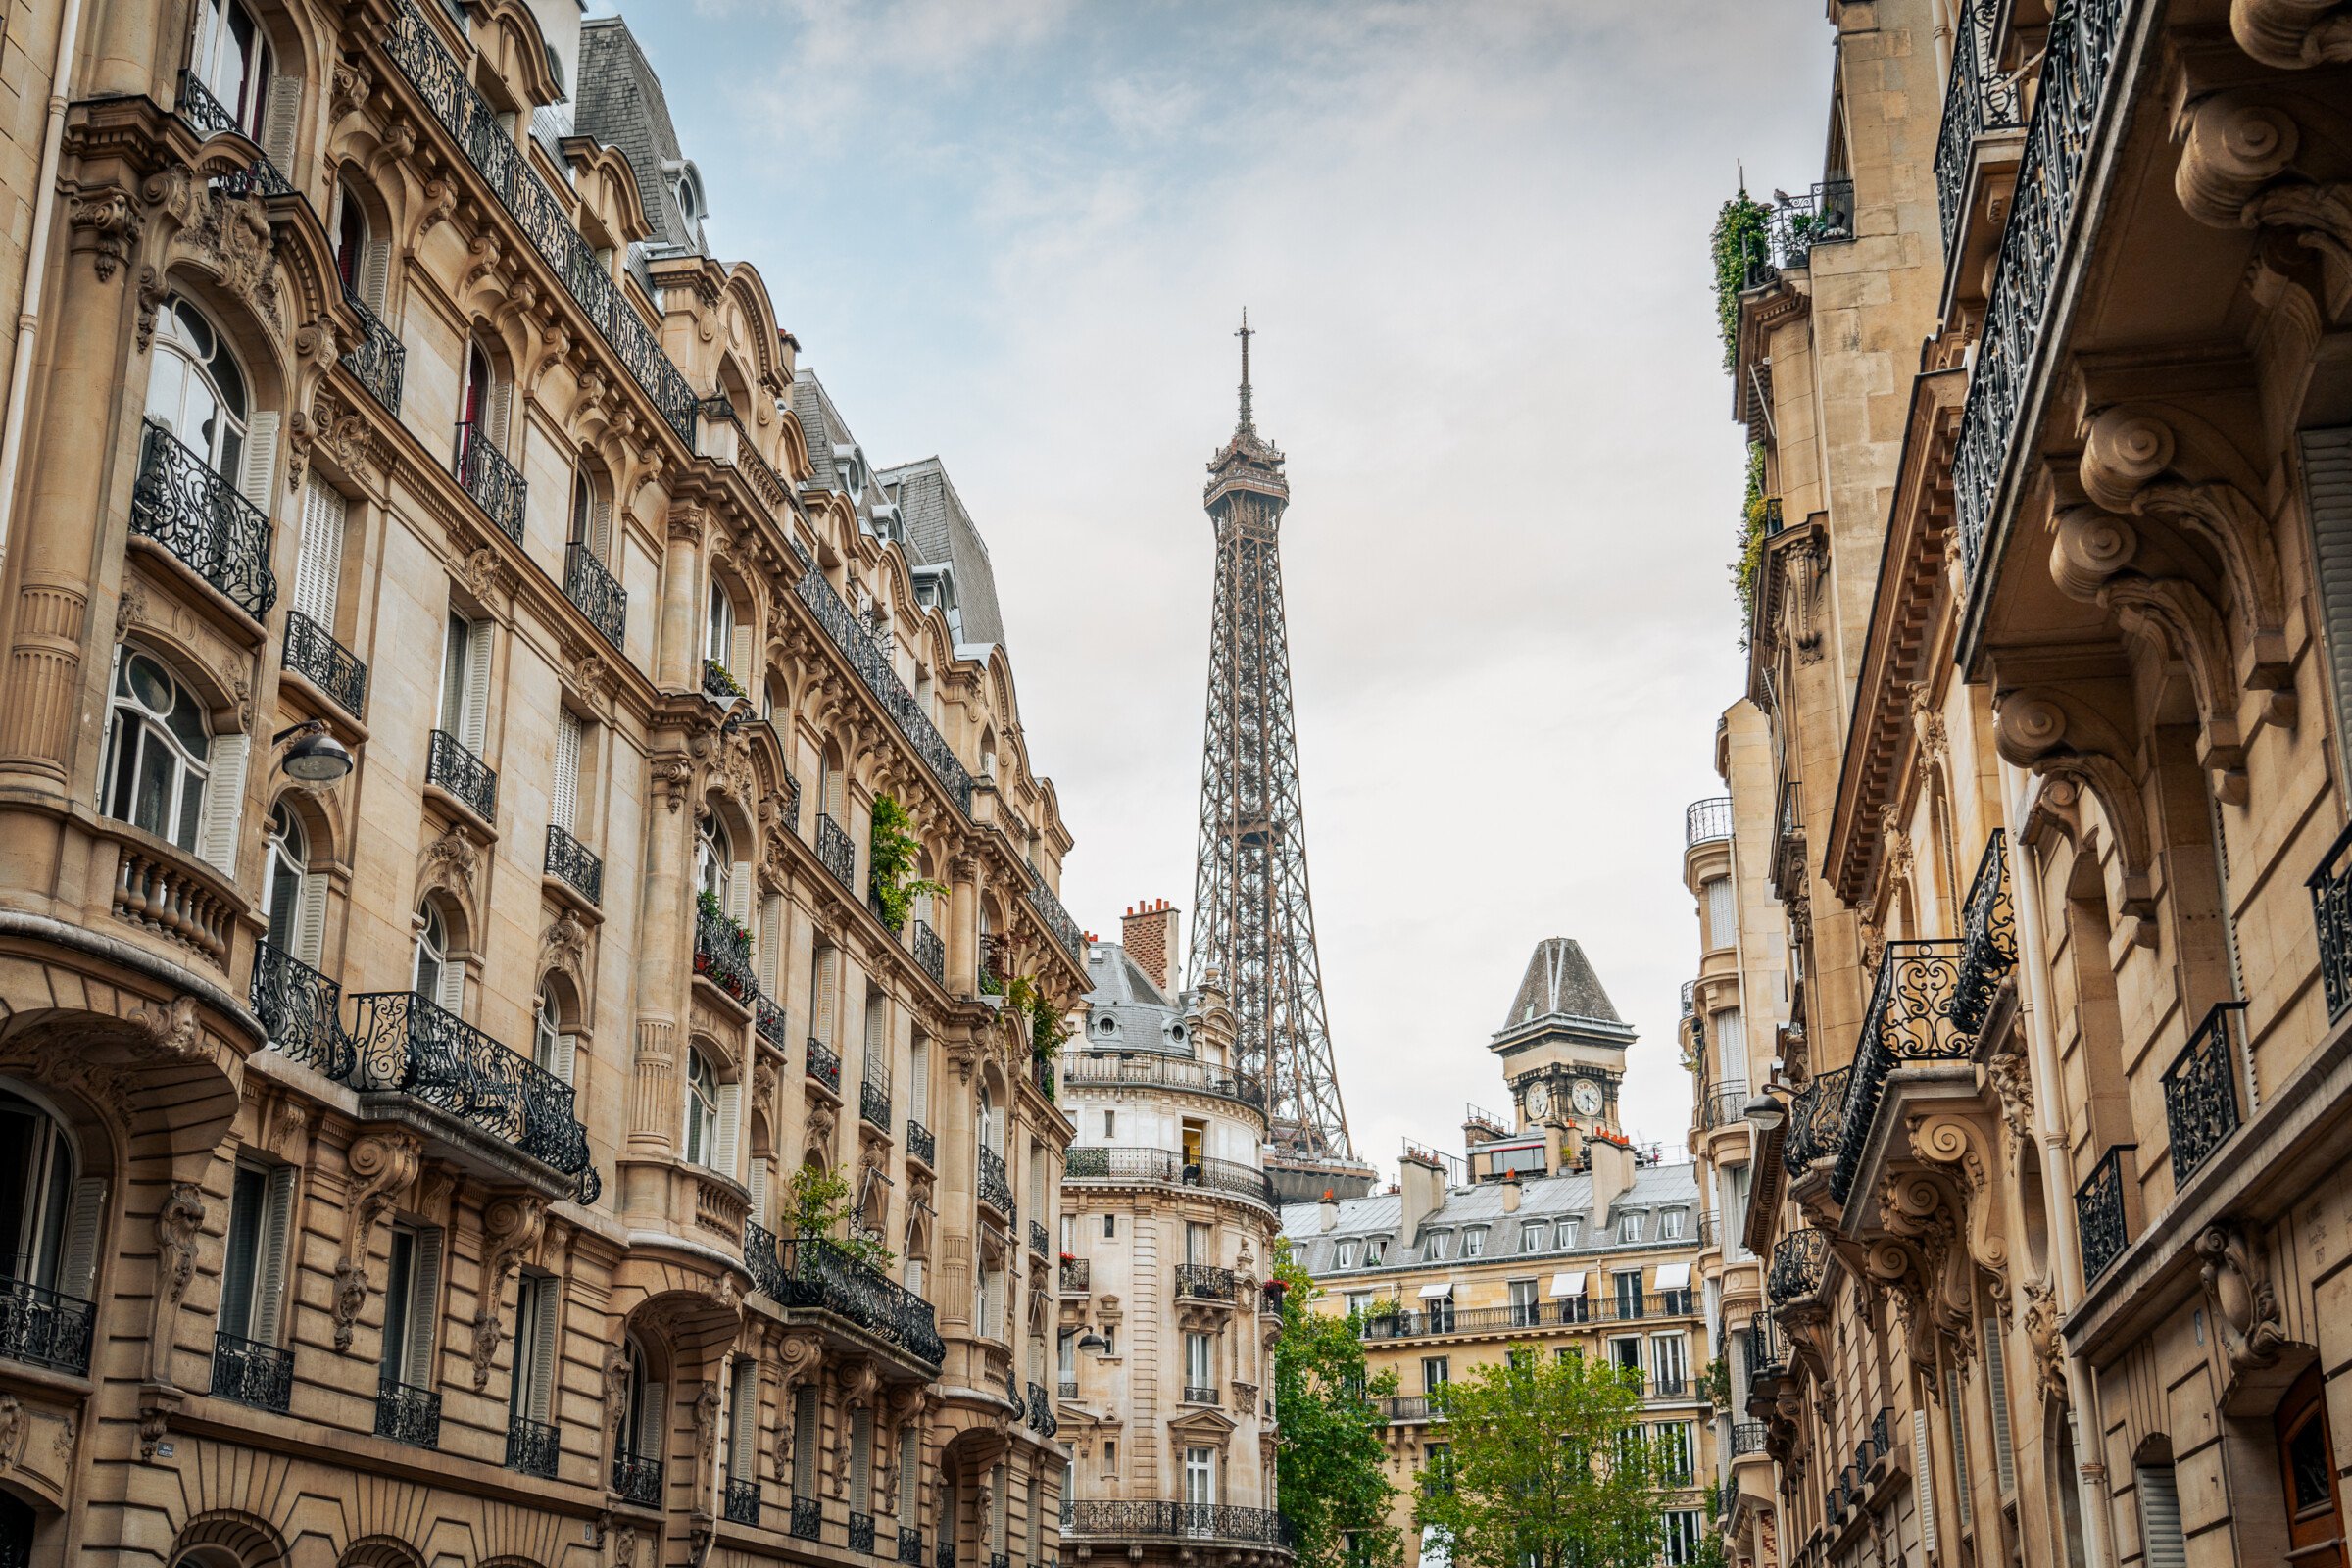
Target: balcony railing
[(448, 763), (1069, 1387), (637, 1480), (251, 1373), (1767, 1351), (835, 851), (1056, 919), (742, 1503), (1747, 1436), (994, 1191), (910, 1548), (597, 593), (1706, 820), (1077, 1276), (1095, 1068), (1815, 1115), (921, 1144), (407, 1414), (2078, 52), (1391, 1320), (440, 80), (299, 1009), (1988, 939), (1801, 1262), (824, 1066), (1975, 102), (2200, 1090), (408, 1045), (1203, 1282), (810, 1273), (311, 653), (41, 1327), (808, 1519), (874, 669), (203, 112), (181, 504), (1410, 1408), (533, 1447), (1195, 1521), (1201, 1394), (2099, 1213), (929, 951), (768, 1023), (486, 476), (1042, 1420), (945, 1555), (873, 1105), (1909, 1020), (1095, 1162), (1722, 1105), (2330, 889), (737, 451), (574, 865), (722, 955), (861, 1533), (1036, 1239), (378, 361)]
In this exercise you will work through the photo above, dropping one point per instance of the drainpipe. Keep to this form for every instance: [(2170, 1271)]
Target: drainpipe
[(37, 272), (2033, 1006)]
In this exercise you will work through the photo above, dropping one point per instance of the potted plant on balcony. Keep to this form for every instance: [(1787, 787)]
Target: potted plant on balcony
[(1026, 1002), (735, 981), (821, 1208), (891, 851)]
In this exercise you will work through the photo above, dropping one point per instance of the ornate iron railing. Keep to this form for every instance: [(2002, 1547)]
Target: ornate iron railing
[(1036, 1239), (945, 1556), (533, 1447), (1203, 1282), (1392, 1320), (1068, 1388), (921, 1144), (41, 1327), (994, 1191), (810, 1273), (313, 653), (203, 112), (929, 951), (1056, 919), (1767, 1349), (1201, 1394), (769, 1021), (1706, 820), (2078, 51), (1095, 1162), (440, 80), (407, 1413), (722, 955), (407, 1043), (1410, 1408), (742, 1503), (299, 1009), (2200, 1090), (873, 1103), (824, 1066), (475, 783), (874, 668), (378, 361), (1747, 1436), (1041, 1073), (1974, 101), (2330, 888), (1909, 1019), (1077, 1276), (1801, 1262), (597, 593), (490, 479), (1165, 1072), (181, 503), (2099, 1213), (911, 1546), (252, 1373), (1722, 1105), (835, 851), (1815, 1115), (1200, 1521), (1988, 939), (1040, 1413), (637, 1480), (861, 1532), (575, 864), (807, 1518)]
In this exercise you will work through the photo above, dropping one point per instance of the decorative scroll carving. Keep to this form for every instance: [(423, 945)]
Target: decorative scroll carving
[(510, 1229), (2246, 1309), (177, 1224), (384, 1165), (105, 226)]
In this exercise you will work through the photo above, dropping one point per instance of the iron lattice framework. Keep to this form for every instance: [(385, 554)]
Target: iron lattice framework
[(1253, 919)]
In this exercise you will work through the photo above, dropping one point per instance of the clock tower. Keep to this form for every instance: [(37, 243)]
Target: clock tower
[(1563, 1050)]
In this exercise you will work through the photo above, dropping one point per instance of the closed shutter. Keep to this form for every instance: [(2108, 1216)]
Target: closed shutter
[(453, 986), (424, 1310), (758, 1186), (501, 396), (731, 1111), (1997, 1375), (1721, 923), (862, 1460), (743, 1436), (375, 276), (2162, 1544), (1951, 1404), (876, 1069), (740, 658), (2327, 495), (1927, 1479), (599, 530), (804, 1442), (257, 481), (1731, 1046), (565, 812), (653, 1422), (269, 1283), (281, 118), (911, 1465), (320, 571), (771, 944), (310, 925), (546, 1328), (567, 1059), (224, 803), (476, 734), (245, 1206), (78, 1263), (739, 893), (820, 1011), (918, 1087)]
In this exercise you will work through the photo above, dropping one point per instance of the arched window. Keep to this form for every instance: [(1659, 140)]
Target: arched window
[(546, 1035), (719, 647), (477, 409), (991, 1135), (158, 751), (233, 61), (284, 888), (436, 979), (583, 510), (643, 1405), (702, 1110), (714, 854), (195, 390), (49, 1215), (350, 245)]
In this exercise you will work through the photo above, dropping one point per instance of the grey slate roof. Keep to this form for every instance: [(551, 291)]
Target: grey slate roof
[(940, 532), (1120, 994), (1560, 980), (821, 422), (619, 103), (1654, 1187)]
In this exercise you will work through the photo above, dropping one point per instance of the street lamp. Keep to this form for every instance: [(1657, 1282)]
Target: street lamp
[(1765, 1113), (316, 757)]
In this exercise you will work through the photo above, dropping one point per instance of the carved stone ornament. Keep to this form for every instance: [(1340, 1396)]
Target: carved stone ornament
[(800, 1357), (2041, 1328), (12, 1429), (617, 1396), (228, 236), (706, 1423), (129, 611), (106, 223), (2246, 1309), (511, 1231), (563, 948), (177, 1224), (487, 576), (171, 1031), (344, 432), (673, 779), (448, 864), (383, 1166), (350, 87), (2013, 1082)]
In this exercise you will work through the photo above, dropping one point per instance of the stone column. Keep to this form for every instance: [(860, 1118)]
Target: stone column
[(963, 934), (665, 958), (677, 646)]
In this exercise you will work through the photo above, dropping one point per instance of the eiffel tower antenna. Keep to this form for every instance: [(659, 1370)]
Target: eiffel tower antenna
[(1254, 919)]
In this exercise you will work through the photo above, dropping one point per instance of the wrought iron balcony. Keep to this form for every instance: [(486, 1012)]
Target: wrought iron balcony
[(493, 482), (1909, 1020), (1095, 1162), (1690, 991), (1056, 919), (637, 1480), (2099, 1213), (1974, 101), (1704, 821), (808, 1519), (1201, 1281), (299, 1011), (929, 950), (873, 1103), (1816, 1113), (41, 1327), (1767, 1349), (406, 1044), (861, 1532), (835, 851), (575, 864), (769, 1021), (311, 653), (252, 1373), (1801, 1263), (874, 669), (202, 519), (407, 1414), (1077, 1276), (945, 1556), (1722, 1105), (1410, 1408), (2078, 52), (1104, 1069), (742, 1503), (2200, 1090), (1988, 939), (473, 126), (1201, 1394), (203, 112), (1042, 1420), (448, 763), (994, 1190), (1747, 1436), (911, 1546), (1036, 1239), (378, 361), (921, 1144), (2330, 888), (719, 683), (722, 955), (597, 593), (824, 1067), (1195, 1521), (533, 1447), (810, 1273), (1392, 1320)]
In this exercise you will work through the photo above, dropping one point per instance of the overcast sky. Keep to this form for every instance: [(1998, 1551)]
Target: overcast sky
[(1474, 240)]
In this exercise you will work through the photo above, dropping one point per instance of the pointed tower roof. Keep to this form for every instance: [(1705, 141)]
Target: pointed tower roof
[(1248, 460), (1559, 981)]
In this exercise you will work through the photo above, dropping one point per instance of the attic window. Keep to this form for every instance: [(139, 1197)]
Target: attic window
[(1629, 1227), (1176, 1032), (1376, 1252), (1107, 1026), (1440, 1246), (1347, 1255), (1474, 1241)]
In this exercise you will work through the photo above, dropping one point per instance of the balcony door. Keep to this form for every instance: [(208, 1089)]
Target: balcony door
[(1199, 1490), (195, 389), (233, 60), (2314, 1515)]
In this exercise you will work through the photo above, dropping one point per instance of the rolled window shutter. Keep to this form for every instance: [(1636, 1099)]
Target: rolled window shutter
[(1927, 1479), (270, 1283), (2161, 1542), (453, 986), (257, 481), (772, 943), (78, 1263), (564, 812), (375, 276), (739, 893), (599, 530), (653, 1422), (545, 1329), (310, 928), (567, 1059), (424, 1310), (804, 1442), (280, 120), (743, 1436), (319, 573), (477, 687), (758, 1186), (224, 803), (731, 1111), (1997, 1375), (862, 1459)]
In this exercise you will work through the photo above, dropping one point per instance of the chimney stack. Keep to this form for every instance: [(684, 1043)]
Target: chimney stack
[(1511, 1191), (1330, 1214), (1612, 1174), (1149, 933), (1420, 1189)]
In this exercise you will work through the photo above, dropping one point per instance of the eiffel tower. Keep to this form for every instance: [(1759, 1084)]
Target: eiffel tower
[(1254, 920)]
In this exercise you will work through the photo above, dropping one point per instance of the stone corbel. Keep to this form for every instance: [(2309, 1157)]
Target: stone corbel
[(2042, 1331), (2260, 1360), (384, 1165), (2293, 34), (510, 1229), (2071, 745), (1920, 1264), (1963, 1146), (799, 1357)]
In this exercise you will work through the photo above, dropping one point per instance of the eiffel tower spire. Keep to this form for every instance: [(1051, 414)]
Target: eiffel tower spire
[(1254, 919)]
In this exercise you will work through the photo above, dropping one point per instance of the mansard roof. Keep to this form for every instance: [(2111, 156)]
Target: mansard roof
[(941, 532)]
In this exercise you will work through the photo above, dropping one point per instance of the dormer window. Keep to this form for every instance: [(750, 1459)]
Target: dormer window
[(1376, 1252), (1474, 1241), (1348, 1252), (1440, 1247), (1629, 1227)]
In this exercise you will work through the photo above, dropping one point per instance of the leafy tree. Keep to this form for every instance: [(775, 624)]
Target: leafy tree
[(891, 847), (1331, 1447), (1549, 1465), (820, 1206)]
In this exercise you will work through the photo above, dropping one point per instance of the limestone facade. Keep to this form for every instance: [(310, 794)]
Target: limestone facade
[(398, 1166)]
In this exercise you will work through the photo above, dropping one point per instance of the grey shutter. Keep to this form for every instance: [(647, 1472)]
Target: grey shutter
[(567, 1059), (545, 1329), (276, 1239), (453, 986), (280, 120), (1997, 1375), (477, 688), (424, 1310), (862, 1459), (821, 1009), (918, 1087), (911, 1465), (739, 893), (1731, 1046), (741, 657), (501, 397), (565, 810), (653, 1422), (309, 924), (320, 571), (730, 1112), (78, 1263), (758, 1187), (1951, 1404), (2162, 1544), (2328, 496), (804, 1442), (235, 1312), (224, 803), (743, 1436), (375, 276), (599, 530), (257, 481)]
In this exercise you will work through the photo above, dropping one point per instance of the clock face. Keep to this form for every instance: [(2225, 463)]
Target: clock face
[(1539, 1100), (1586, 1095)]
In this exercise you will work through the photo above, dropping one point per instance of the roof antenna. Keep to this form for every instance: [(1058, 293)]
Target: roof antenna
[(1244, 334)]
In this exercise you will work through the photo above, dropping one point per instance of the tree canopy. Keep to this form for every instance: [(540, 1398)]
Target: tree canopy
[(1331, 1445)]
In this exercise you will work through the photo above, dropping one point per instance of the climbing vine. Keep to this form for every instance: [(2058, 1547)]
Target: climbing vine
[(1739, 246), (1754, 516), (890, 857)]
